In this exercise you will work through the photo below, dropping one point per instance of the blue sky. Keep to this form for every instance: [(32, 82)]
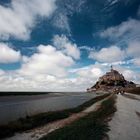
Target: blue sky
[(65, 45)]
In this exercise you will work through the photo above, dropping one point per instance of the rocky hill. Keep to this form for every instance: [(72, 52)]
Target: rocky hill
[(112, 80)]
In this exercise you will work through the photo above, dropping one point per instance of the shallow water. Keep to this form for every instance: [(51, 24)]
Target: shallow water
[(15, 107)]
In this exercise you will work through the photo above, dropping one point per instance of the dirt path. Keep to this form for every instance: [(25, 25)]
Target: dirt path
[(37, 133), (125, 124)]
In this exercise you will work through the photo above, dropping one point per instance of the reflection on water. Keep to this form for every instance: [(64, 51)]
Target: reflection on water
[(12, 108)]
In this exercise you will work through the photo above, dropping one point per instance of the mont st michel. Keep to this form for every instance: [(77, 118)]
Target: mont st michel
[(112, 81)]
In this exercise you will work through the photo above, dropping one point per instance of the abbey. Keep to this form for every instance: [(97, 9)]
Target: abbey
[(112, 80)]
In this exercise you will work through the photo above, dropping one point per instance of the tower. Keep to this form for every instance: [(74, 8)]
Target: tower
[(111, 68), (113, 72)]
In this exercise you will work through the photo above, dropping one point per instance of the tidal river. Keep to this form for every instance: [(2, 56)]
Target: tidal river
[(15, 107)]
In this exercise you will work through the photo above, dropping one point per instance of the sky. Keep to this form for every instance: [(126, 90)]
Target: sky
[(66, 45)]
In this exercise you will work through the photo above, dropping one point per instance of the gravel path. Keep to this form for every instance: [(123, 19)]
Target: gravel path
[(125, 125)]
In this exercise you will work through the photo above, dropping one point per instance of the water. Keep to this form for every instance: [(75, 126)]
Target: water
[(15, 107)]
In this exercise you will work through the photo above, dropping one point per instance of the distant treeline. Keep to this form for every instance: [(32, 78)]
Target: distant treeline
[(19, 93), (22, 93)]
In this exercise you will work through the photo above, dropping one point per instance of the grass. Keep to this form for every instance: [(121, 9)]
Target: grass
[(92, 127), (38, 120), (134, 90)]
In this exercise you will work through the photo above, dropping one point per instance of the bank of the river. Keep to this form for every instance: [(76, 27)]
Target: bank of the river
[(31, 122), (14, 107), (92, 126)]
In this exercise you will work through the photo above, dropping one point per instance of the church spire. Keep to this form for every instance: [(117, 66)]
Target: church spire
[(111, 67)]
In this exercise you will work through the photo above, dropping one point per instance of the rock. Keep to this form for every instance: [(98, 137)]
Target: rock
[(112, 80)]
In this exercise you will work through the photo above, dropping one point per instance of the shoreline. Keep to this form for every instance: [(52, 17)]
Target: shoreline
[(31, 122), (93, 125), (30, 93)]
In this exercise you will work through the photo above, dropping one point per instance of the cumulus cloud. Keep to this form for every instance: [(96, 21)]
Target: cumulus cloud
[(88, 75), (85, 77), (133, 49), (20, 16), (1, 72), (44, 70), (90, 72), (114, 55), (129, 73), (48, 61), (69, 48), (111, 54), (8, 55), (136, 61)]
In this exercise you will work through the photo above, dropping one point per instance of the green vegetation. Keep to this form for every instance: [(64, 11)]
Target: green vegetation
[(38, 120), (134, 90), (93, 126)]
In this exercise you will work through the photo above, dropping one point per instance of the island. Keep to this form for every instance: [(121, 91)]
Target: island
[(112, 81)]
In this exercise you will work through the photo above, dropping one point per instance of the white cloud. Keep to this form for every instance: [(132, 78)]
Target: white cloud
[(129, 74), (8, 55), (85, 78), (87, 48), (1, 72), (130, 27), (61, 21), (20, 16), (133, 49), (91, 72), (116, 56), (45, 70), (48, 61), (87, 75), (111, 54), (136, 61), (69, 48), (126, 33)]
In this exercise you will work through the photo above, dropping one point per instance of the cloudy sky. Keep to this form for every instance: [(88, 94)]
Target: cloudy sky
[(65, 45)]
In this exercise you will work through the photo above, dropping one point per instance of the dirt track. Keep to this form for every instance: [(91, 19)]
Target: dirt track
[(125, 124)]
